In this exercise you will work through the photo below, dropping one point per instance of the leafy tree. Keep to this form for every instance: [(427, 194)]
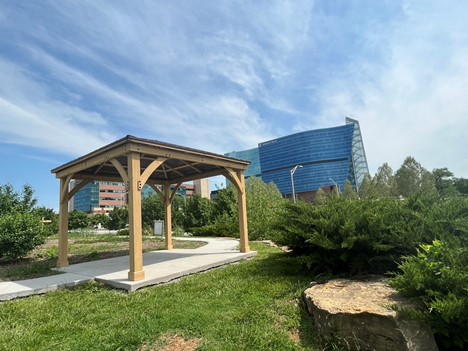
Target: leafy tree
[(152, 208), (47, 214), (27, 200), (461, 184), (78, 220), (198, 212), (349, 192), (19, 234), (178, 211), (413, 179), (384, 181), (368, 189), (264, 204), (11, 201), (444, 182), (101, 218), (226, 202), (118, 218), (20, 227)]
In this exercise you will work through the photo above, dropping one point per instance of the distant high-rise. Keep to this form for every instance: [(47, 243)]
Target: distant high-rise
[(327, 158)]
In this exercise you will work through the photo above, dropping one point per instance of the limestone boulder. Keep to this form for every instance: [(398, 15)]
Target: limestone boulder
[(359, 314)]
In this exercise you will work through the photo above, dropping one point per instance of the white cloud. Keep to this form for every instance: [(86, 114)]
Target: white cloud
[(412, 103), (31, 117)]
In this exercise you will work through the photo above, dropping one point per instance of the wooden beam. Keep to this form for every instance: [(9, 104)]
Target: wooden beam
[(167, 217), (134, 215), (123, 173), (78, 188), (174, 192), (234, 178), (64, 188), (219, 171), (174, 170), (157, 190), (242, 203), (63, 223), (94, 160), (151, 169), (188, 156), (192, 166)]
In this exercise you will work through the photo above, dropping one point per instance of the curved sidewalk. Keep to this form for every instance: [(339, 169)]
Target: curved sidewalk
[(160, 267)]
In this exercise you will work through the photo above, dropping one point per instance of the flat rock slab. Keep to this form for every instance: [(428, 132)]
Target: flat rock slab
[(359, 314)]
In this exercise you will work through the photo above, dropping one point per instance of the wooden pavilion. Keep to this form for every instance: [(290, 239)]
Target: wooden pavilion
[(136, 162)]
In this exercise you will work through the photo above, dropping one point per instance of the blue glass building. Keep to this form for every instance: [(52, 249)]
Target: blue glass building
[(252, 155), (326, 158)]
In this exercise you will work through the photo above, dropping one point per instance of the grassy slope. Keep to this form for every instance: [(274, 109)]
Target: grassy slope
[(255, 305)]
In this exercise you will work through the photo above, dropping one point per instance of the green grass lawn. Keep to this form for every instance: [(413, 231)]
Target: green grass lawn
[(83, 247), (253, 305)]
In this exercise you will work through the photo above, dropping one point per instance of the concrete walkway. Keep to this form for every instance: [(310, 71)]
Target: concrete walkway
[(159, 266)]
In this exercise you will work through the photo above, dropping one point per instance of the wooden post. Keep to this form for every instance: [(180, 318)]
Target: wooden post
[(134, 215), (242, 202), (167, 216), (63, 223)]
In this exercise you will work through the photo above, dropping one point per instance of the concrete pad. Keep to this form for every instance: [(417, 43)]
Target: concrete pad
[(163, 266), (159, 266), (22, 288)]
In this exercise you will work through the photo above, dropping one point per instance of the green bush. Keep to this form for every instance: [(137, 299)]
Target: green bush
[(438, 275), (78, 220), (118, 218), (224, 225), (20, 233), (125, 231), (350, 236)]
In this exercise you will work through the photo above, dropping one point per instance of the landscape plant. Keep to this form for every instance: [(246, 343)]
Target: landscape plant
[(340, 235), (19, 234), (78, 220), (438, 276), (21, 229)]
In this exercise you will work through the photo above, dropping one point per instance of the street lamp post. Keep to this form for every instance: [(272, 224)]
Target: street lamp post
[(292, 181), (336, 187)]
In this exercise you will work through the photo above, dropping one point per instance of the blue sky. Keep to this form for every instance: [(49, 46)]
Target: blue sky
[(226, 75)]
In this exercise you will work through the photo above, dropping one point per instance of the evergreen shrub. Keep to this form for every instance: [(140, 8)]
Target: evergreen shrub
[(343, 236), (438, 275)]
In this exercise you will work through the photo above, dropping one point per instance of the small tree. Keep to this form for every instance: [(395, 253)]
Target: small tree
[(50, 215), (368, 189), (78, 220), (461, 184), (118, 218), (226, 202), (413, 179), (152, 208), (198, 212), (20, 228), (19, 234), (99, 218), (264, 204), (384, 182), (349, 192), (444, 182)]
